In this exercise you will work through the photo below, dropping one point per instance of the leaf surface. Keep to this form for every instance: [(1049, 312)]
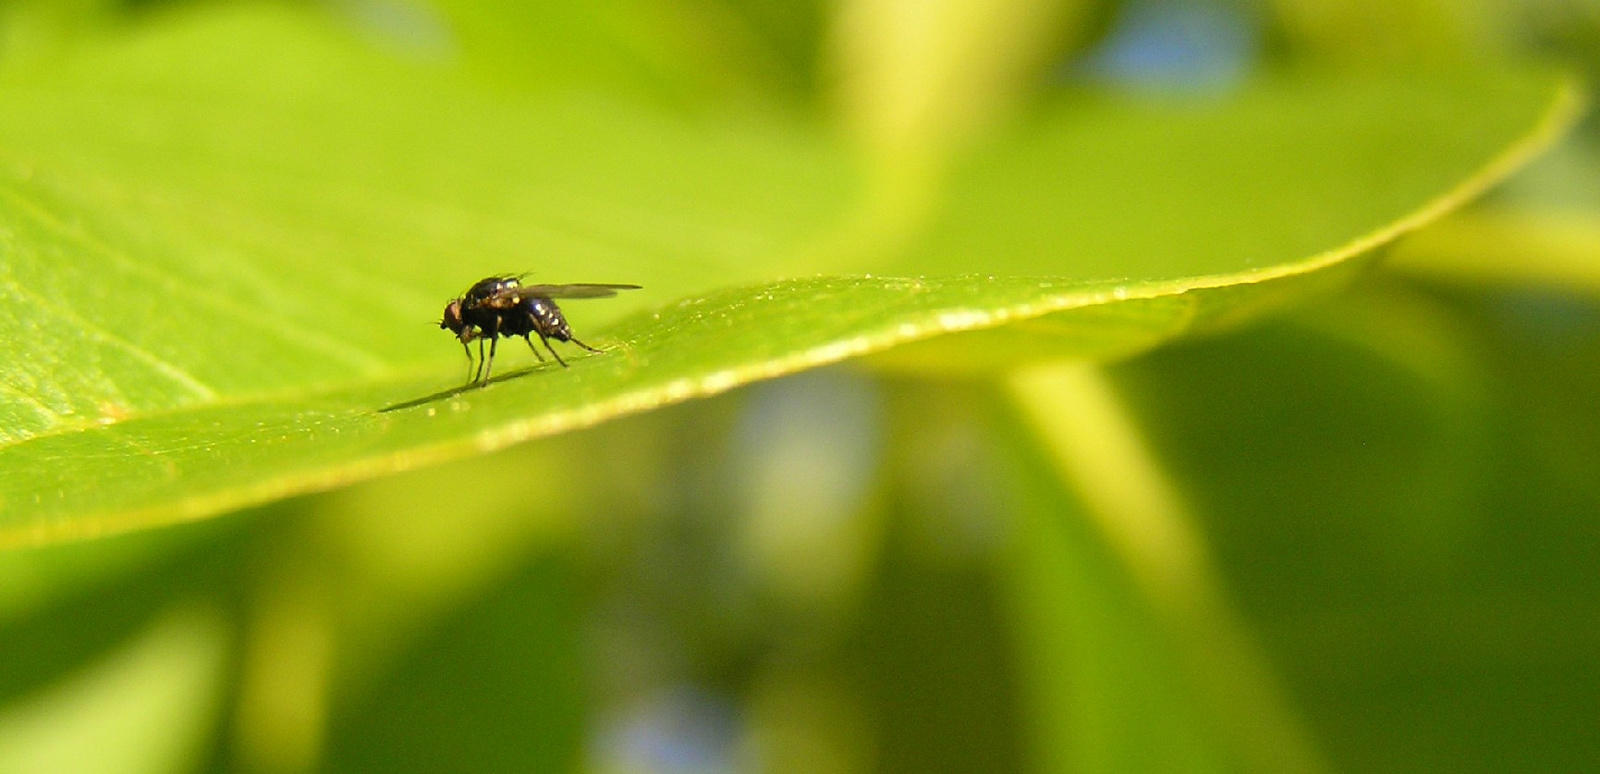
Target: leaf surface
[(224, 241)]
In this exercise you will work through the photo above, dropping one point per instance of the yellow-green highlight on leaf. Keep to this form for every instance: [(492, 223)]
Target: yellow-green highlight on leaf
[(1508, 247), (916, 81), (219, 282)]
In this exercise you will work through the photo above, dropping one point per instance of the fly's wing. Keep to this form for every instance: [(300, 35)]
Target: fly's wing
[(510, 294), (583, 290)]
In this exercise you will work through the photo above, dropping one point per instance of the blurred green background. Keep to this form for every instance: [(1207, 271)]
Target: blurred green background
[(1359, 536)]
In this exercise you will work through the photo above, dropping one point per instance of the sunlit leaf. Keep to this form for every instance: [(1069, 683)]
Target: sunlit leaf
[(223, 242)]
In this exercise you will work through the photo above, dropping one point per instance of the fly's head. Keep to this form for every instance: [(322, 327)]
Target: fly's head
[(452, 322)]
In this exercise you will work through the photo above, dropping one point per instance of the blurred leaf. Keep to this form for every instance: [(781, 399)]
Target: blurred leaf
[(931, 649), (219, 273), (1401, 31), (112, 652), (1400, 491), (416, 544), (1103, 690), (1508, 247), (340, 600), (683, 51), (496, 686), (76, 602), (793, 31), (1566, 178), (1098, 451), (1367, 416), (935, 666), (36, 31), (917, 79), (147, 709), (33, 580)]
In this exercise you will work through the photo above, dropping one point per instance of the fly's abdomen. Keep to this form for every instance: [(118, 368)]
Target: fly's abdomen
[(547, 318)]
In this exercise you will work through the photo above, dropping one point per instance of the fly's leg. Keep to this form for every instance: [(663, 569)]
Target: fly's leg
[(494, 343), (546, 343), (536, 352), (585, 346)]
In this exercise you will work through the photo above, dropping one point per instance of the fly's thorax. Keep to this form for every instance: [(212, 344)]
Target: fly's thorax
[(489, 286)]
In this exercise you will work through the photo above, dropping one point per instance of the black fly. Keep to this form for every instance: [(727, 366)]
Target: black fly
[(503, 306)]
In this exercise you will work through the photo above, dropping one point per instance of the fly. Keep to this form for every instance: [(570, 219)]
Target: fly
[(502, 306)]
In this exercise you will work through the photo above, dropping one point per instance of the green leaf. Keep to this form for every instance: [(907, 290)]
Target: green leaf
[(102, 719), (223, 241), (1105, 689), (678, 51), (428, 706), (1111, 479), (1509, 247), (1399, 488)]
